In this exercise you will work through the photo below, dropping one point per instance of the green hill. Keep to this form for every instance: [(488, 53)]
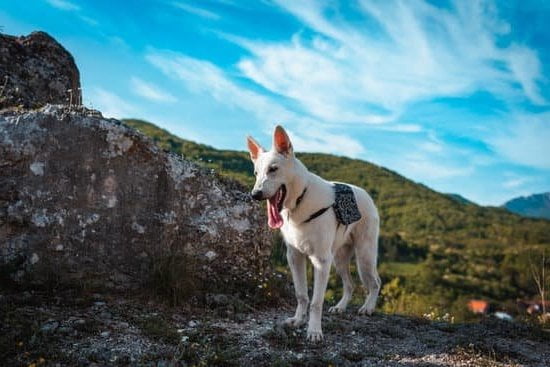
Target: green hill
[(435, 251)]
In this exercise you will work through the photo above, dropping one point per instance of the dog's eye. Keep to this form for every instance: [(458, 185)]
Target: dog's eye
[(272, 169), (255, 173)]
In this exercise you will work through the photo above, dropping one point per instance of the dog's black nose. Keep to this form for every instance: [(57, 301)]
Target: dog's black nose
[(257, 194)]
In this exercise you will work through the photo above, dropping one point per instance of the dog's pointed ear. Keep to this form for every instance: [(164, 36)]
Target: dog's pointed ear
[(254, 148), (281, 141)]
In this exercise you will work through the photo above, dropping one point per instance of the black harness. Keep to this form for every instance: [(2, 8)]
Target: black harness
[(345, 205), (317, 214)]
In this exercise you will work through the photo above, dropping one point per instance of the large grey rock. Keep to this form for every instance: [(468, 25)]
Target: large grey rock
[(88, 200), (36, 70)]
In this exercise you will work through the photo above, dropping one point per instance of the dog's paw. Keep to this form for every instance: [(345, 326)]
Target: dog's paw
[(314, 336), (337, 309), (294, 322), (364, 310)]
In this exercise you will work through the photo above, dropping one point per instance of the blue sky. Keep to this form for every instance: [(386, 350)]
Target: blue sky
[(452, 94)]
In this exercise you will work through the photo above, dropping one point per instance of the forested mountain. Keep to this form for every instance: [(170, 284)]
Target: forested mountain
[(535, 206), (436, 251)]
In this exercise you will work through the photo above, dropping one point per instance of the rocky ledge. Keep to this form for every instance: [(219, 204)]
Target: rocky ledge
[(94, 329), (35, 70), (89, 202)]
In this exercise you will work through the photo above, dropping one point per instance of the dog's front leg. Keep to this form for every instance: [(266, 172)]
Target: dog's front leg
[(297, 263), (321, 273)]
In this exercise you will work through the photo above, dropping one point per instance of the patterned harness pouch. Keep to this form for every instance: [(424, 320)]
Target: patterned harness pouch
[(345, 205)]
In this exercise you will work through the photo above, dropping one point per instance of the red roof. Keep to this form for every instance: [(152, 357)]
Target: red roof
[(478, 306)]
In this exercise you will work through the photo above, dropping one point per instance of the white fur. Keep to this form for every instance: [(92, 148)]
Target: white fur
[(321, 240)]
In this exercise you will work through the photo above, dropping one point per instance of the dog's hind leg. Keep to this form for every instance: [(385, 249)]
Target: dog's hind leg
[(342, 259), (366, 253), (297, 264)]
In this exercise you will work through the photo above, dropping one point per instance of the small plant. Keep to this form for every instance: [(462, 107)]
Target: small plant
[(436, 315), (201, 348), (159, 329), (539, 276), (79, 100), (70, 91), (171, 277)]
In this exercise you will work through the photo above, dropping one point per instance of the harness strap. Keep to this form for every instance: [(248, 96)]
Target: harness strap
[(299, 200), (317, 214), (344, 206)]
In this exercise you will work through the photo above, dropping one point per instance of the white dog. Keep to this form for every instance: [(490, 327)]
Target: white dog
[(327, 222)]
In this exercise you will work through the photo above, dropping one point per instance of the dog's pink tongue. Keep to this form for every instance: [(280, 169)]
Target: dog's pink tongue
[(274, 219)]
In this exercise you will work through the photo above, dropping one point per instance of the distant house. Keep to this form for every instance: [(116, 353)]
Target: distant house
[(534, 307), (478, 306)]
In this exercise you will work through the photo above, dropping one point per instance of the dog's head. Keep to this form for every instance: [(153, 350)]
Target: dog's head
[(273, 170)]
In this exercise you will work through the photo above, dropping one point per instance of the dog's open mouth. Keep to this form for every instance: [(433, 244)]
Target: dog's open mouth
[(274, 207)]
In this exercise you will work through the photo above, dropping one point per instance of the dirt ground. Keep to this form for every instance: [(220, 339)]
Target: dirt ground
[(70, 329)]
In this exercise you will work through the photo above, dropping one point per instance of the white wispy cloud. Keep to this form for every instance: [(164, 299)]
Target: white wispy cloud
[(426, 167), (336, 71), (516, 182), (427, 157), (525, 140), (513, 183), (69, 6), (317, 139), (195, 10), (203, 77), (400, 128), (433, 144), (63, 5), (89, 20), (112, 105), (525, 66), (150, 91), (403, 52)]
